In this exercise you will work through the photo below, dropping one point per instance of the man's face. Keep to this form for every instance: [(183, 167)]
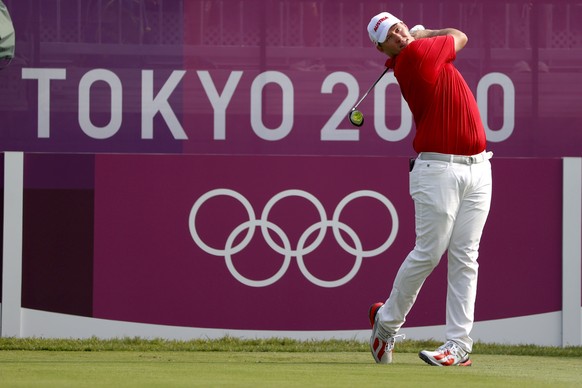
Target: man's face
[(398, 38)]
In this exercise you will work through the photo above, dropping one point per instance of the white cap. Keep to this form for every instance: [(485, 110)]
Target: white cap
[(380, 25)]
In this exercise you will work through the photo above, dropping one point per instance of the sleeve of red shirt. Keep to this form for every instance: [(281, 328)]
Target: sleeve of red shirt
[(433, 54), (445, 54)]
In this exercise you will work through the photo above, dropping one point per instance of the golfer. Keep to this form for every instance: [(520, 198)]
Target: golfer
[(450, 183)]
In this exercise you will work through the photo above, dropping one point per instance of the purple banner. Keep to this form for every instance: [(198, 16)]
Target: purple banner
[(247, 242), (275, 77), (301, 243)]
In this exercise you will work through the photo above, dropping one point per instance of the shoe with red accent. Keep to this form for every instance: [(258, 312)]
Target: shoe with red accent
[(382, 343), (449, 354), (373, 311)]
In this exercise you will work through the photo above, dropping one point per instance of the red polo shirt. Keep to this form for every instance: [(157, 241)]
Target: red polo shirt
[(445, 111)]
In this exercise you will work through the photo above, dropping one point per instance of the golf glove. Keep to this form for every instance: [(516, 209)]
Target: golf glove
[(418, 27)]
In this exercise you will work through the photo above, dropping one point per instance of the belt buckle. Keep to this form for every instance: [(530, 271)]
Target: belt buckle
[(471, 160)]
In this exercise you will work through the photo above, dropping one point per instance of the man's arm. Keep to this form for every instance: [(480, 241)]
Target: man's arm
[(459, 36)]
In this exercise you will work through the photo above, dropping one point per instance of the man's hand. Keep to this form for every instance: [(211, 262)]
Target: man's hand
[(418, 27)]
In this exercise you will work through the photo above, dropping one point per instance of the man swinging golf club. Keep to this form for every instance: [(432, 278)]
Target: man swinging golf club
[(450, 183)]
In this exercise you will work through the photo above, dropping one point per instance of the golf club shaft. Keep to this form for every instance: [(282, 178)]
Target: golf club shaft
[(371, 87)]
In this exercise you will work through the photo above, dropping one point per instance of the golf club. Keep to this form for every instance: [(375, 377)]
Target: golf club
[(356, 117)]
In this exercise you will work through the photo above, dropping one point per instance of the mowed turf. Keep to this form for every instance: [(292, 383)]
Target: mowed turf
[(131, 368)]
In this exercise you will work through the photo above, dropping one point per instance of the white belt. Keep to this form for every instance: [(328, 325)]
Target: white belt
[(462, 159)]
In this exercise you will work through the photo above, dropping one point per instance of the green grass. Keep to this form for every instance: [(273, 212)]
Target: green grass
[(230, 362)]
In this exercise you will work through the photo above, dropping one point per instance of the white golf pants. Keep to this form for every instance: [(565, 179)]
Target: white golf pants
[(452, 201)]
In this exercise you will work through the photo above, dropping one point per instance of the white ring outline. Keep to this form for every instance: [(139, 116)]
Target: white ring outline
[(192, 221), (244, 280), (294, 193), (286, 250), (329, 283), (359, 194)]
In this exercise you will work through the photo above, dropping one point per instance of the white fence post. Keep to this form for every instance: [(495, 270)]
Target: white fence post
[(12, 252), (571, 252)]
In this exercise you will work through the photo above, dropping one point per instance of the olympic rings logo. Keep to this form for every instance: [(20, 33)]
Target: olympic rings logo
[(285, 249)]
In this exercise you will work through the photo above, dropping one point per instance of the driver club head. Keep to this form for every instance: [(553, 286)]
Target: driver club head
[(356, 117)]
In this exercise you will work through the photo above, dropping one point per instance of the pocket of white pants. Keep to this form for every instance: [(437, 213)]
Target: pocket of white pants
[(426, 175), (433, 167)]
